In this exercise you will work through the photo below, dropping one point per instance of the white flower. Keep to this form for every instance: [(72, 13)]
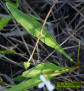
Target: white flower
[(48, 84)]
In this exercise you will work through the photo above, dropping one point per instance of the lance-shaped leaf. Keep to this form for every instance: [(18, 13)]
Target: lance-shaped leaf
[(46, 68), (50, 70), (4, 21), (34, 28)]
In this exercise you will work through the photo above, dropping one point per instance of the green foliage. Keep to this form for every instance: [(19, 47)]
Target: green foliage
[(4, 21), (14, 4), (11, 52), (33, 27), (1, 80), (46, 68), (6, 52), (25, 85), (50, 70), (26, 65)]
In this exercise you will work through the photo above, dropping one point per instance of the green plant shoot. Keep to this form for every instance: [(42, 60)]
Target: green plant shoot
[(34, 27)]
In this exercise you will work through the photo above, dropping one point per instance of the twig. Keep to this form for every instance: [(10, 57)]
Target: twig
[(42, 29), (11, 61)]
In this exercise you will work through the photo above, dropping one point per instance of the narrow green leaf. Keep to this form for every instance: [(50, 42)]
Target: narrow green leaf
[(25, 85), (6, 52), (50, 70), (45, 68), (11, 52), (4, 21), (34, 27), (42, 69), (14, 4)]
